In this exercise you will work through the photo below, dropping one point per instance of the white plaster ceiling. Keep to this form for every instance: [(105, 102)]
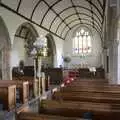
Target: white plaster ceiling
[(60, 16)]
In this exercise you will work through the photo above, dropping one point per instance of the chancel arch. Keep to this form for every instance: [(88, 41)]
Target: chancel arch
[(25, 36), (5, 47), (84, 52)]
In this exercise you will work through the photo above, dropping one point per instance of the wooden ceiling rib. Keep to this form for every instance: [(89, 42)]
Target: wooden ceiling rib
[(86, 24), (19, 5), (87, 8), (97, 24)]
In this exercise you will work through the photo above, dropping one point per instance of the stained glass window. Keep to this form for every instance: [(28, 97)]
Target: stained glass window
[(82, 43)]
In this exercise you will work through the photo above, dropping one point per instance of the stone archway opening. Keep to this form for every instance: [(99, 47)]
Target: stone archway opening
[(50, 59), (25, 36), (5, 47)]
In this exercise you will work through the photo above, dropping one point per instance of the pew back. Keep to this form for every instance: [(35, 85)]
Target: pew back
[(8, 96), (22, 86), (87, 96), (35, 116), (101, 111)]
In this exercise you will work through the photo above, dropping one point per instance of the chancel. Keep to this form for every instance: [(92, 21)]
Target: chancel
[(59, 59)]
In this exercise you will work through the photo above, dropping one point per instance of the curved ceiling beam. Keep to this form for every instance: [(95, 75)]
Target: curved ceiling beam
[(75, 5), (55, 4), (49, 9), (79, 14), (83, 23), (100, 4), (89, 1), (76, 11), (104, 4), (80, 23), (18, 5), (72, 7), (27, 19), (37, 4), (56, 14)]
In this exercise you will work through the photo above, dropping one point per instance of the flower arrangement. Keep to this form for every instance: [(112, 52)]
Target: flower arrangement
[(39, 47)]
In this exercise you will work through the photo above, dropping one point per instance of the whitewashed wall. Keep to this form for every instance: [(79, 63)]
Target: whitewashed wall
[(59, 52), (18, 52)]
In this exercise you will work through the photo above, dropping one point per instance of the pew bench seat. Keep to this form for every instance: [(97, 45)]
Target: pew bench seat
[(100, 89), (87, 96), (101, 111), (8, 96), (23, 88), (35, 116)]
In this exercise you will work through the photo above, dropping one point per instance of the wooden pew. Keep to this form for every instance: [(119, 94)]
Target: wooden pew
[(35, 116), (92, 88), (31, 84), (56, 75), (91, 81), (23, 88), (79, 82), (85, 73), (31, 81), (8, 96), (101, 111), (25, 78), (87, 97)]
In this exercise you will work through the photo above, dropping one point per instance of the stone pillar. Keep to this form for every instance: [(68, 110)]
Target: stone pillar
[(118, 72), (43, 82), (112, 76), (106, 55), (115, 63), (110, 63), (118, 7), (6, 63)]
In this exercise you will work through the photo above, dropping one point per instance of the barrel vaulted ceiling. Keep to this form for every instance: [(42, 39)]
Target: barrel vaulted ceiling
[(59, 16)]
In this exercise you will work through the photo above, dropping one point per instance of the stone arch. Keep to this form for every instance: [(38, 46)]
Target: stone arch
[(29, 26), (25, 36), (51, 39), (5, 47), (51, 50)]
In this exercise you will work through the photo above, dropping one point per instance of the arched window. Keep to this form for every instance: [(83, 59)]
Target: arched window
[(82, 43)]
